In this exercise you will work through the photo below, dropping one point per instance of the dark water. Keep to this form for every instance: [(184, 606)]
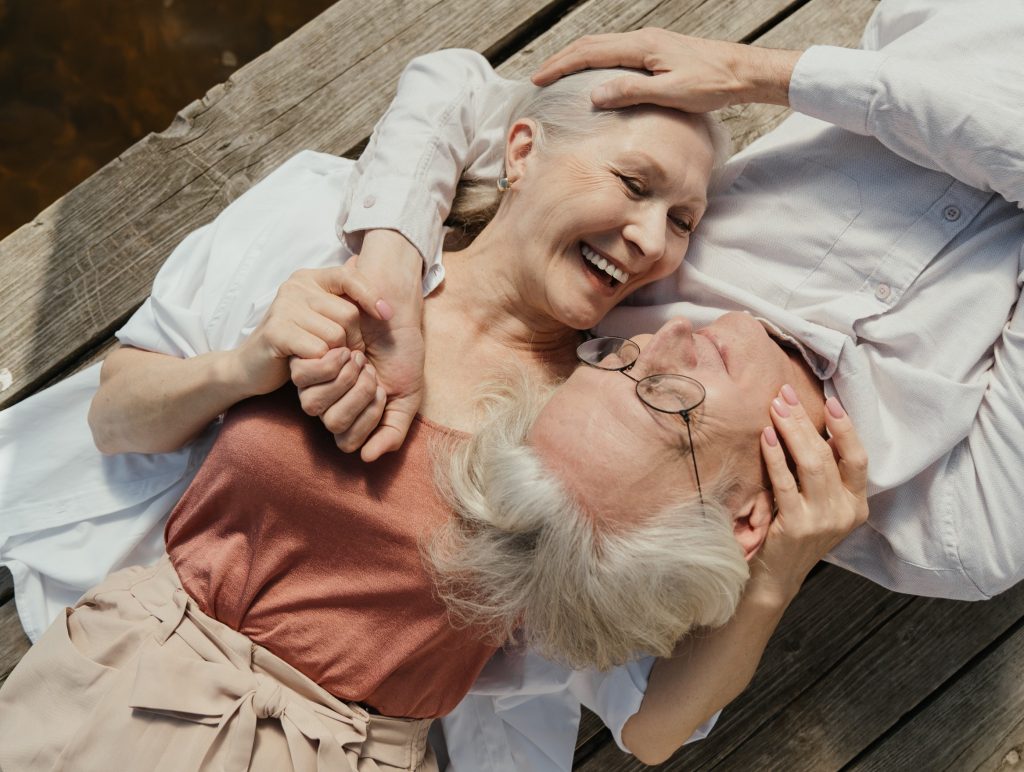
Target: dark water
[(82, 80)]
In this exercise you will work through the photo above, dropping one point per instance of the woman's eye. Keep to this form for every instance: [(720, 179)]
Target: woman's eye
[(633, 185), (681, 224)]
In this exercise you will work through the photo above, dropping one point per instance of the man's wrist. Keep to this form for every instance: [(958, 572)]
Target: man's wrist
[(395, 267), (766, 73)]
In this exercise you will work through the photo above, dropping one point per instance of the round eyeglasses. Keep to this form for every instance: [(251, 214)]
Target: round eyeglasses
[(667, 393)]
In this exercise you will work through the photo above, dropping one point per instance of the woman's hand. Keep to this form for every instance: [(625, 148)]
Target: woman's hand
[(367, 393), (821, 505), (308, 318)]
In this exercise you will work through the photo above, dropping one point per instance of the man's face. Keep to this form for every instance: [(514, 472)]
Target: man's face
[(621, 459)]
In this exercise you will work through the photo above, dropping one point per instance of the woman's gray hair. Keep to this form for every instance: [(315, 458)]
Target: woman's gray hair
[(522, 558), (563, 111)]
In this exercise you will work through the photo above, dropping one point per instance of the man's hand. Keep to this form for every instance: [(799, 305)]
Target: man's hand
[(691, 74), (368, 393)]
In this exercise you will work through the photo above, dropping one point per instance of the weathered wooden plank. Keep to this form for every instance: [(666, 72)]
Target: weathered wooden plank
[(816, 633), (892, 672), (69, 277), (6, 585), (1009, 754), (977, 721), (13, 641)]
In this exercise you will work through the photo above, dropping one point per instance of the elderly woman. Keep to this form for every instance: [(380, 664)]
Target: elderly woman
[(294, 588)]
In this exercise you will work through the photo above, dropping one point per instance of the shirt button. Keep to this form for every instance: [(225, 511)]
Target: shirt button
[(951, 213), (369, 201), (882, 291)]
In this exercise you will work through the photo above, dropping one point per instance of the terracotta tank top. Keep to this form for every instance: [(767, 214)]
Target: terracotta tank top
[(316, 556)]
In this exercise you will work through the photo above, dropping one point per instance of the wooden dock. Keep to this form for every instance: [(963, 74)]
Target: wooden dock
[(855, 678)]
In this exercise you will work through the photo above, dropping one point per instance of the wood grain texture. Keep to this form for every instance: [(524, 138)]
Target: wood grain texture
[(72, 275), (975, 722), (900, 665), (13, 642), (6, 585)]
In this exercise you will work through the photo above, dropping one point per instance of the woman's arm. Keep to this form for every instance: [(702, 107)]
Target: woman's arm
[(154, 403), (709, 671)]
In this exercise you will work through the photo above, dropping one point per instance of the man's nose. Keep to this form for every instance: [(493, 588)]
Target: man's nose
[(671, 350)]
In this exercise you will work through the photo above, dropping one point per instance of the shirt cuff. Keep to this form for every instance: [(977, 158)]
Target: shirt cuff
[(836, 85), (621, 694), (393, 203)]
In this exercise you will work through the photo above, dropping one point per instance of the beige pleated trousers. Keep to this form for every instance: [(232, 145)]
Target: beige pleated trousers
[(136, 678)]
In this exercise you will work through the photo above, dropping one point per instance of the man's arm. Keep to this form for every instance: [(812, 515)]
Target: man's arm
[(449, 115), (944, 94), (709, 671)]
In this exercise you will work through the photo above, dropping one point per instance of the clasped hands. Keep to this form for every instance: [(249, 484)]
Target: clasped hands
[(349, 338)]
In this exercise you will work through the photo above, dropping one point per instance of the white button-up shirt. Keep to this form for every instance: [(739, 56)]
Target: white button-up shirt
[(896, 270)]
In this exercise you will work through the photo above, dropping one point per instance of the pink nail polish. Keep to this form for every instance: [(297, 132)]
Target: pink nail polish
[(834, 407), (780, 407), (789, 394), (770, 436), (385, 310)]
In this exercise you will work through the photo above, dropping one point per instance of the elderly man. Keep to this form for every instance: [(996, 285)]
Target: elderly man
[(877, 231)]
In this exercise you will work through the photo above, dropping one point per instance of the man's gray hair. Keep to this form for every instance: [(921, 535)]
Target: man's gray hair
[(521, 557), (563, 112)]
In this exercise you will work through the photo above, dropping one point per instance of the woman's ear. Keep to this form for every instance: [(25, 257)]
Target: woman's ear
[(521, 141), (750, 526)]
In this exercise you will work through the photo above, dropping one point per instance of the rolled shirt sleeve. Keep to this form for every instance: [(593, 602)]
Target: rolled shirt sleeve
[(448, 117), (958, 114)]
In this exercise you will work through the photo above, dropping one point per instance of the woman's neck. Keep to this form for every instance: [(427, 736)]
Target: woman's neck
[(500, 307), (478, 326)]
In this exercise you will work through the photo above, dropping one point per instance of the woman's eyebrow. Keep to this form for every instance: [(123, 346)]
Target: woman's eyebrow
[(662, 177)]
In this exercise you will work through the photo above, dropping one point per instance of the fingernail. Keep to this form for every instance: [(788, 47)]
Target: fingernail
[(385, 310), (358, 358), (343, 357), (770, 436), (600, 94), (780, 407), (834, 407), (789, 394)]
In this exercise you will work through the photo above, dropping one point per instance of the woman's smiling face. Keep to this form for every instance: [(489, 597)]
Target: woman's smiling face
[(596, 218)]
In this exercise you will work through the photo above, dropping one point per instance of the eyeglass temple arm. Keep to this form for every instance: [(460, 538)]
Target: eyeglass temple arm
[(693, 456)]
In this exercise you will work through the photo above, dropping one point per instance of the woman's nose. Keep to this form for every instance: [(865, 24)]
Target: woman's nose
[(646, 233)]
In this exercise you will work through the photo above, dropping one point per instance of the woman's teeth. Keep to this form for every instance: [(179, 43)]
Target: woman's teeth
[(602, 264)]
